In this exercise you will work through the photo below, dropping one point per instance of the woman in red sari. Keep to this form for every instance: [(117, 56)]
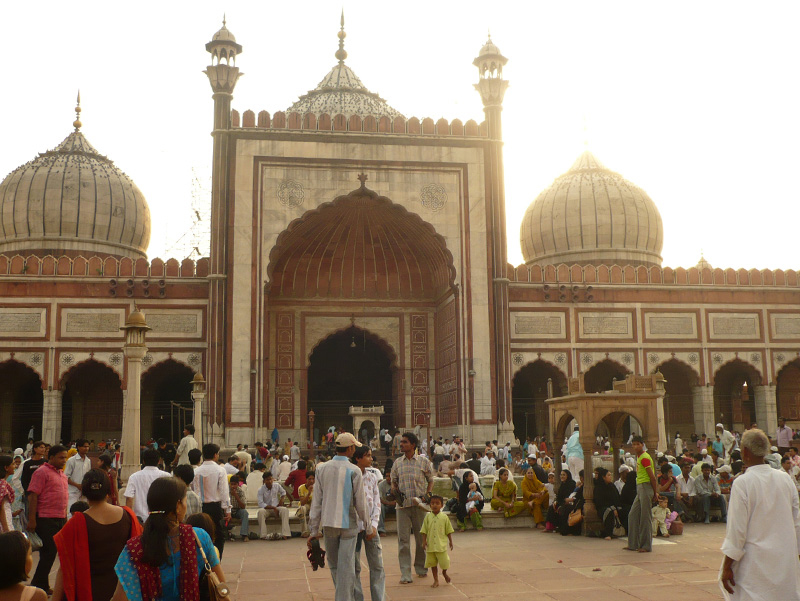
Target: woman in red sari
[(90, 543)]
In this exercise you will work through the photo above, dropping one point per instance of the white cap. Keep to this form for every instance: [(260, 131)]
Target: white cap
[(286, 458), (704, 452), (18, 451), (596, 453), (608, 444), (660, 454), (725, 468), (670, 457), (624, 468), (532, 456), (627, 454), (774, 449), (720, 426)]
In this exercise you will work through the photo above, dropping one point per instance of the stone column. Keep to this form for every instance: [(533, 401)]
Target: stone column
[(198, 396), (662, 431), (135, 349), (703, 407), (591, 520), (766, 409), (51, 416)]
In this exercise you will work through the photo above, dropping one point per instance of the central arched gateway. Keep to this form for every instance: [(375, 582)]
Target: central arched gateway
[(351, 367), (363, 310)]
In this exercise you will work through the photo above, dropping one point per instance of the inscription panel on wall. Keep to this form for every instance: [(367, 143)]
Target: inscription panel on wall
[(549, 325), (599, 325), (785, 326), (92, 323), (174, 324), (23, 322), (733, 326), (670, 326)]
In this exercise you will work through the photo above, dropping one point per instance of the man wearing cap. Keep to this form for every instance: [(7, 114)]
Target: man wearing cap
[(728, 441), (623, 476), (338, 503), (574, 454), (412, 478), (774, 458)]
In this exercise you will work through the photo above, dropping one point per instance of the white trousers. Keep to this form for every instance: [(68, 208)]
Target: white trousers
[(283, 513), (575, 466)]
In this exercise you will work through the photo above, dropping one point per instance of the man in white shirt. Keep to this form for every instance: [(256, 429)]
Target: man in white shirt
[(270, 503), (487, 464), (685, 494), (294, 452), (76, 469), (245, 458), (211, 485), (139, 484), (783, 437), (727, 440), (283, 469), (232, 466), (762, 538), (792, 470), (623, 476), (187, 443)]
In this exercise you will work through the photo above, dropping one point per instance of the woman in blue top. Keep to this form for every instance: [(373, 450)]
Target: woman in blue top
[(165, 562)]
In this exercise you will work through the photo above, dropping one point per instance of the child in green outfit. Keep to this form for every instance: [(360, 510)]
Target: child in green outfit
[(436, 530)]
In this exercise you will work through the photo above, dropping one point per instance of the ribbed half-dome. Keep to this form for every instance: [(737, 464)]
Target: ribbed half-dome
[(342, 93), (72, 200), (591, 215)]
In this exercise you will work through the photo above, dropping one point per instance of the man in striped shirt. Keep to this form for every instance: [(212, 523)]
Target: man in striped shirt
[(338, 503)]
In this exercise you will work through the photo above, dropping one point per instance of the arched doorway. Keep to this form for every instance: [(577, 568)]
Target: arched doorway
[(528, 392), (734, 394), (601, 376), (678, 403), (351, 367), (21, 404), (788, 391), (166, 400), (91, 403)]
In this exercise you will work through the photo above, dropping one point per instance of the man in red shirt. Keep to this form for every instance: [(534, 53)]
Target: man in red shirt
[(296, 479), (47, 510)]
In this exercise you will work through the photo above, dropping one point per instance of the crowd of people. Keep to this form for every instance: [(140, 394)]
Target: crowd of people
[(184, 503)]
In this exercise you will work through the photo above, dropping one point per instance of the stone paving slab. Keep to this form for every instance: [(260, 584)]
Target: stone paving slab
[(501, 565)]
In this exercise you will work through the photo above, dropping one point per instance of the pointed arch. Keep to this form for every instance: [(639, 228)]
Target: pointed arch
[(600, 377), (21, 403), (166, 399), (679, 378), (91, 402), (734, 393), (788, 391), (529, 390)]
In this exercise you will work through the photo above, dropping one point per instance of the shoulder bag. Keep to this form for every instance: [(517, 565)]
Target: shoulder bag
[(217, 591)]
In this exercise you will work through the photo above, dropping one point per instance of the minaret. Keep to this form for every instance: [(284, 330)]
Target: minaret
[(223, 75), (492, 88)]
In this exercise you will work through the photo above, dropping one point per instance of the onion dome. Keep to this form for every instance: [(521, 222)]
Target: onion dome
[(72, 200), (703, 264), (341, 92), (224, 34), (591, 215)]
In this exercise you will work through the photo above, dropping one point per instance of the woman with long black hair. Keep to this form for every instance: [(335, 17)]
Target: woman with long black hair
[(564, 491), (166, 561)]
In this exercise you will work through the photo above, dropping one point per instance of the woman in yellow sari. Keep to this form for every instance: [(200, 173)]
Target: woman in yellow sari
[(534, 496), (504, 495)]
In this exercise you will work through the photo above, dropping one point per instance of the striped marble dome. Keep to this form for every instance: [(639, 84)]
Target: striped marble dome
[(72, 200), (591, 215)]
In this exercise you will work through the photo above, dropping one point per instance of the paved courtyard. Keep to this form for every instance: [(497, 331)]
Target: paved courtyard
[(502, 565)]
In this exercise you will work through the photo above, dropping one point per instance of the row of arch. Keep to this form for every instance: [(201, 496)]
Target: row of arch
[(733, 393), (91, 402)]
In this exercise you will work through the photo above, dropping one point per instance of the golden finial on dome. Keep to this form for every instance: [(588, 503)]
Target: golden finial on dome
[(77, 123), (340, 53)]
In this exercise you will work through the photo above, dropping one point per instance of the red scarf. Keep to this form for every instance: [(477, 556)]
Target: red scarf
[(150, 575), (73, 552)]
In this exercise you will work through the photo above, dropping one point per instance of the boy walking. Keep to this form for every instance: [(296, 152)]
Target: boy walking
[(436, 532)]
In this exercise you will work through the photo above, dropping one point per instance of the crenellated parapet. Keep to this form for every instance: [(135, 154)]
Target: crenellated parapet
[(640, 274), (106, 267), (355, 123)]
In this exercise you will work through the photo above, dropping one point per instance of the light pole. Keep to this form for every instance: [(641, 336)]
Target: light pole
[(135, 349), (198, 395)]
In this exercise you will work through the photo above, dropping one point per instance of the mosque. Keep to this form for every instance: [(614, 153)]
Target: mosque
[(359, 258)]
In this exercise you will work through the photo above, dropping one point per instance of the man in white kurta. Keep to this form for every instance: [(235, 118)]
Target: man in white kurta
[(728, 441), (763, 533)]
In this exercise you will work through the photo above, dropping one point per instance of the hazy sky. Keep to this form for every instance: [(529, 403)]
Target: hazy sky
[(696, 102)]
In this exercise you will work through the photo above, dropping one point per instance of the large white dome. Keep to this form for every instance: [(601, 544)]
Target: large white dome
[(72, 200), (591, 215)]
